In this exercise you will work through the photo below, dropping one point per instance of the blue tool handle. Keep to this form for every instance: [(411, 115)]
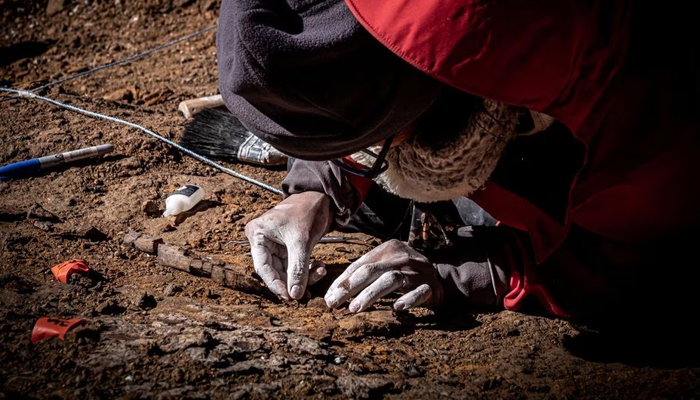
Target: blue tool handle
[(19, 169)]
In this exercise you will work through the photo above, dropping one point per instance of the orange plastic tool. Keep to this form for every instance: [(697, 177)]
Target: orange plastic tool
[(46, 328), (64, 270)]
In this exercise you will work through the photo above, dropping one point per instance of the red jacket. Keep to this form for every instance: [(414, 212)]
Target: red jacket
[(637, 177)]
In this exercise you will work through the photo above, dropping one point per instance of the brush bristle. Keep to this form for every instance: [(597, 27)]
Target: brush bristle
[(214, 133)]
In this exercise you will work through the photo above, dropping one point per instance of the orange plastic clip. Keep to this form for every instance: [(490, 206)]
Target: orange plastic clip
[(64, 270), (46, 328)]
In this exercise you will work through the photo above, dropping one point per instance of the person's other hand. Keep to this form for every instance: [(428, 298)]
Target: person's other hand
[(281, 241), (391, 267)]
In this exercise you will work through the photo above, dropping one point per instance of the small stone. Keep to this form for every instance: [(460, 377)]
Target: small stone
[(131, 163), (36, 211), (43, 225), (86, 232), (79, 279), (371, 323), (412, 371), (318, 302), (121, 94), (54, 7), (247, 367), (148, 244), (209, 5), (130, 237), (168, 228), (171, 289), (144, 301), (239, 394)]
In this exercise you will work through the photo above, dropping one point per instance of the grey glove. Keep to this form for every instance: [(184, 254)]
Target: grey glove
[(281, 241), (476, 269)]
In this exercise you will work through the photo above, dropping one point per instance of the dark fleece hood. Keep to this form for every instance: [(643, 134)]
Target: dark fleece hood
[(307, 78)]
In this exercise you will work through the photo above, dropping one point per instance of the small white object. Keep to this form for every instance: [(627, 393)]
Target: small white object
[(183, 199)]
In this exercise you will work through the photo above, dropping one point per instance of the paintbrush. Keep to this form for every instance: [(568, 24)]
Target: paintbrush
[(217, 133)]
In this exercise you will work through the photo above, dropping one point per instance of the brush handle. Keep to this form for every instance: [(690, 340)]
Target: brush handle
[(193, 106), (22, 169)]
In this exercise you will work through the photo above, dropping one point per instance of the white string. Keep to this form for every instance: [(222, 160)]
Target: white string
[(28, 94), (114, 63)]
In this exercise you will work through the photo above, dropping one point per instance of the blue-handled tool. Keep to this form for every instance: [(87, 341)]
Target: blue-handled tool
[(23, 169)]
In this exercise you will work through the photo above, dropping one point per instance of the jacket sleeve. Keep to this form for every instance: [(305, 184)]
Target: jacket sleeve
[(324, 177)]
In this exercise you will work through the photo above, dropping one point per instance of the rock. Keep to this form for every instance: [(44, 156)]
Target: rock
[(168, 228), (364, 387), (43, 225), (247, 367), (88, 331), (304, 345), (208, 5), (318, 302), (239, 394), (148, 244), (85, 232), (144, 301), (131, 163), (372, 323), (239, 342), (131, 237), (173, 256), (187, 339), (95, 189), (412, 371), (121, 94), (37, 211), (299, 344), (81, 280), (54, 7), (171, 289)]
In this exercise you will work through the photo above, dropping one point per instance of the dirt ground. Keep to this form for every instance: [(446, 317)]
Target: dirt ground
[(154, 332)]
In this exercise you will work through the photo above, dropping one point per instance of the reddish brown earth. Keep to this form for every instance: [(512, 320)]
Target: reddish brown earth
[(153, 332)]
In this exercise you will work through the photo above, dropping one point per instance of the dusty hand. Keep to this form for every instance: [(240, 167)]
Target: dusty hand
[(281, 241), (393, 266)]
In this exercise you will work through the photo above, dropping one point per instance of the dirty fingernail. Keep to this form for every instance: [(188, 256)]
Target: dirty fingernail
[(399, 305), (280, 290), (331, 301), (296, 292), (354, 307)]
